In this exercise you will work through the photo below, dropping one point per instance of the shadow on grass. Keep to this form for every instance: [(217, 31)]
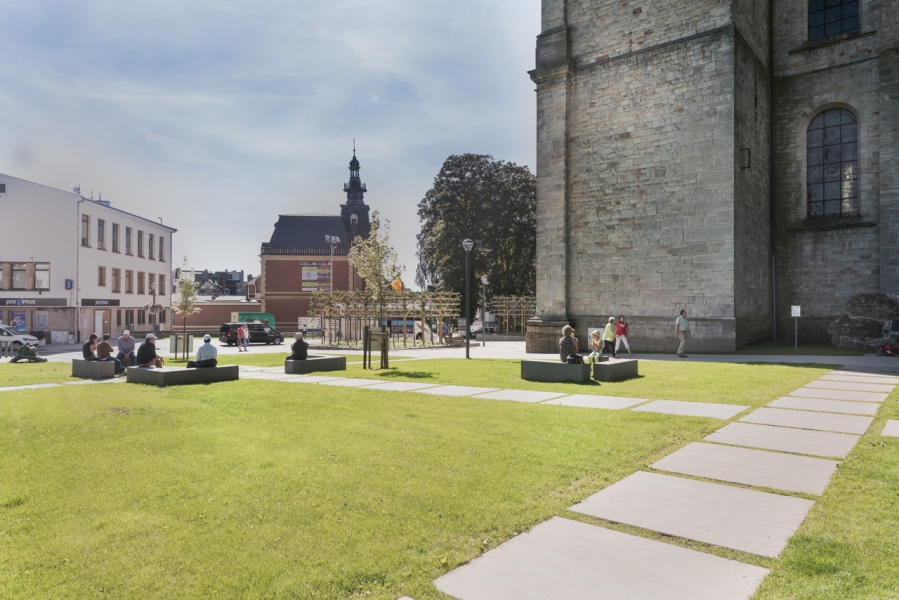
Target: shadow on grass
[(409, 374)]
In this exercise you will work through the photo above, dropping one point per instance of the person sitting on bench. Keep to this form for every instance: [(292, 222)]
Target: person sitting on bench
[(300, 348), (207, 355), (104, 354), (146, 354), (87, 350)]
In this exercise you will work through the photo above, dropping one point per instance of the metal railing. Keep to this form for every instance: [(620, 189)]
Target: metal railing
[(6, 350), (303, 251)]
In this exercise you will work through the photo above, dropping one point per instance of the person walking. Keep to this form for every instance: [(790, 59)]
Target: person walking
[(608, 338), (207, 355), (242, 341), (682, 332), (621, 331), (126, 348), (568, 343)]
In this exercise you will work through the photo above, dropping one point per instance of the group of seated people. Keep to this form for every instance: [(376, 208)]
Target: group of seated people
[(207, 355), (101, 350)]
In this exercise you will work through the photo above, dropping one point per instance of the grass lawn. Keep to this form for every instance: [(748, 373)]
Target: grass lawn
[(848, 546), (725, 383), (259, 489), (31, 373)]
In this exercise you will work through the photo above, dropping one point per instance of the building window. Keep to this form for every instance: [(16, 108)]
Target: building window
[(161, 249), (161, 285), (140, 244), (162, 317), (115, 237), (129, 282), (42, 276), (101, 276), (354, 219), (86, 231), (833, 165), (18, 276), (129, 319), (151, 281), (831, 17), (141, 317), (116, 280), (128, 241), (140, 283), (101, 234), (150, 245)]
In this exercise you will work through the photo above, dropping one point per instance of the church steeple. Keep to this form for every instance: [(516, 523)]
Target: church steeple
[(355, 189), (355, 212)]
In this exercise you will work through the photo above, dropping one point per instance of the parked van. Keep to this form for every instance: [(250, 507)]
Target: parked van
[(260, 333)]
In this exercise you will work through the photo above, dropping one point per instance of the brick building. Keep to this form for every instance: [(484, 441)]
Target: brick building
[(657, 187), (303, 257)]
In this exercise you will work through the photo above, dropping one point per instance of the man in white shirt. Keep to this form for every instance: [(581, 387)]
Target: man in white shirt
[(682, 332), (207, 355)]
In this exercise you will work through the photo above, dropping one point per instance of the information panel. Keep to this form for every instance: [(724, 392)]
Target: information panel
[(316, 276)]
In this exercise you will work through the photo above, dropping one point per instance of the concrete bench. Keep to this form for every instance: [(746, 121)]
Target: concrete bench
[(541, 370), (315, 363), (175, 376), (615, 369), (93, 369)]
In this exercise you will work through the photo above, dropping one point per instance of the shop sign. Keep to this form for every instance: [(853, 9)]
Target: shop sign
[(86, 302), (33, 302)]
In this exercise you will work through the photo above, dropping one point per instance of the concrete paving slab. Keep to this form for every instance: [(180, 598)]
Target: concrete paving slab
[(692, 409), (867, 372), (722, 515), (851, 387), (830, 406), (351, 382), (520, 396), (309, 379), (856, 379), (787, 472), (785, 439), (803, 419), (266, 376), (456, 390), (590, 401), (34, 386), (806, 392), (400, 386), (567, 560), (93, 381), (891, 429)]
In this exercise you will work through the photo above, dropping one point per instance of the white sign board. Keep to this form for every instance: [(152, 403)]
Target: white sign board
[(796, 312), (235, 317)]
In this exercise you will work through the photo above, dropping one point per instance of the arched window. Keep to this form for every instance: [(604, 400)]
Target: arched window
[(831, 17), (354, 219), (833, 165)]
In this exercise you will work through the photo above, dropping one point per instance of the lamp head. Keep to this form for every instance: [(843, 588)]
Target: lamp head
[(484, 279), (468, 245)]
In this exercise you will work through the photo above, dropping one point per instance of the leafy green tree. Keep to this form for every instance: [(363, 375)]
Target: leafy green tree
[(185, 301), (493, 203), (377, 262)]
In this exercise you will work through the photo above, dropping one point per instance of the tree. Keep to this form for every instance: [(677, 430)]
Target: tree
[(493, 203), (185, 302), (376, 262)]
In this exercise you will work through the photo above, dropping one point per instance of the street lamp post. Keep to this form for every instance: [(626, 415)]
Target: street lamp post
[(468, 245), (484, 311), (155, 314)]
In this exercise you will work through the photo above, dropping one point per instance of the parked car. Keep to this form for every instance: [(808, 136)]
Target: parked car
[(8, 334), (260, 333)]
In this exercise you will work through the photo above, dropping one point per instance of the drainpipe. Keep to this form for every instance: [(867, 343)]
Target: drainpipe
[(771, 162), (78, 271)]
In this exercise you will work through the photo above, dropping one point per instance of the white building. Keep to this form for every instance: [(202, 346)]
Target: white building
[(69, 263)]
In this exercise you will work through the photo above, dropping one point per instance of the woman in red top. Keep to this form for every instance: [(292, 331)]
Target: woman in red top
[(621, 328), (243, 338)]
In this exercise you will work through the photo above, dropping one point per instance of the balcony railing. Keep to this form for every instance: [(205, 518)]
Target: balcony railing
[(303, 252)]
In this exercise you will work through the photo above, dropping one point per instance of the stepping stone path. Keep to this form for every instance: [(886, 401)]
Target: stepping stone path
[(787, 447), (891, 429)]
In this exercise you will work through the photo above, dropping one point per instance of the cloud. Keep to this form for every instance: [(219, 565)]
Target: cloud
[(218, 116)]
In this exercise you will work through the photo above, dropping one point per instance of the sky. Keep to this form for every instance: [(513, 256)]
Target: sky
[(219, 116)]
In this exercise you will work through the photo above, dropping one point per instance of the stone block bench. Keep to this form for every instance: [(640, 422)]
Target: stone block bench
[(93, 369), (615, 369), (315, 363), (175, 376), (542, 370)]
